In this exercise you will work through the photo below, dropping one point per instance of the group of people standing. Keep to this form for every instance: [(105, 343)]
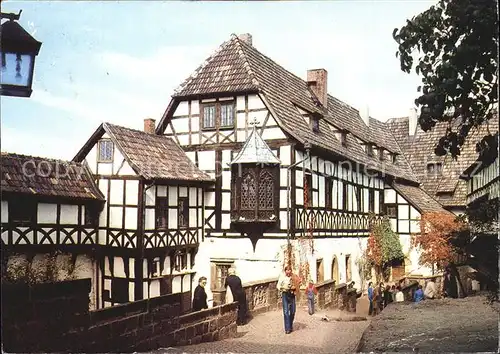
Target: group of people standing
[(380, 296)]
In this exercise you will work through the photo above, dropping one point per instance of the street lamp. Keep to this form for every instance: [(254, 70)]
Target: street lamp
[(18, 50)]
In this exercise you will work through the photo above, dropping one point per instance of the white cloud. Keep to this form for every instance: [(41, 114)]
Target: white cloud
[(21, 141)]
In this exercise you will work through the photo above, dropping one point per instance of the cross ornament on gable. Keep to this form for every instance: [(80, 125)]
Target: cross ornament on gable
[(254, 122)]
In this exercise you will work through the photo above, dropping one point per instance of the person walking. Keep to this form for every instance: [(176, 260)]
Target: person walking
[(287, 285), (234, 286), (311, 291), (200, 295), (370, 298)]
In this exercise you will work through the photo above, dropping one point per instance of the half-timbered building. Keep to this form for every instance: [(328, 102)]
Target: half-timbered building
[(49, 220), (289, 161), (152, 220), (439, 175)]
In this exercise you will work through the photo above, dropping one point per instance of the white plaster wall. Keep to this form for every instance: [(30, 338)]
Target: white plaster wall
[(116, 193), (115, 217), (91, 159), (69, 214), (132, 190), (47, 213), (389, 196), (150, 196), (266, 263), (131, 218)]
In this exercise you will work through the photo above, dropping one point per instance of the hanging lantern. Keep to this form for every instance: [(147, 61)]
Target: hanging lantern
[(18, 51)]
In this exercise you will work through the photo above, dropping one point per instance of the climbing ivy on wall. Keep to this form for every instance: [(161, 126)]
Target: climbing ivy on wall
[(383, 247)]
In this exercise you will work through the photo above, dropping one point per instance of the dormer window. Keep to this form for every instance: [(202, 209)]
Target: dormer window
[(369, 150), (381, 154), (343, 139), (435, 168), (394, 158), (105, 150), (217, 115), (315, 124)]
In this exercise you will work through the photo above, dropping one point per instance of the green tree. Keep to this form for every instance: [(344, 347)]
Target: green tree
[(454, 47)]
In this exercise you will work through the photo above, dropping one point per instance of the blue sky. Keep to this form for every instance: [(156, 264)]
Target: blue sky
[(120, 61)]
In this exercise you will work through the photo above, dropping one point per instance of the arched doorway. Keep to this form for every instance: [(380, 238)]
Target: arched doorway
[(335, 270)]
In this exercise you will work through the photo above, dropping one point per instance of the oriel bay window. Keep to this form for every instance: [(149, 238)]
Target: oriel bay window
[(218, 115), (254, 193)]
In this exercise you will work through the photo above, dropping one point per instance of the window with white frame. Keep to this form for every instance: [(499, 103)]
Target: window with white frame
[(105, 150), (218, 115)]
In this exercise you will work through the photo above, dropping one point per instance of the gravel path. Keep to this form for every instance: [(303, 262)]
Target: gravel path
[(445, 325), (265, 334)]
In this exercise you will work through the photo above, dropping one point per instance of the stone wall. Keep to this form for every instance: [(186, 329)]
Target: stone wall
[(55, 317), (263, 296)]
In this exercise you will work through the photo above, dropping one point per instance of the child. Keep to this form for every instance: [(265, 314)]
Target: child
[(310, 292), (419, 294)]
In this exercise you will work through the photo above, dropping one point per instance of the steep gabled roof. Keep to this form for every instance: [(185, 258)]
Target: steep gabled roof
[(256, 151), (150, 156), (46, 177), (446, 187), (240, 67)]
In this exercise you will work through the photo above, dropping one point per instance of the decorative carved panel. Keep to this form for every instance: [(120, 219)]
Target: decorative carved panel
[(260, 298)]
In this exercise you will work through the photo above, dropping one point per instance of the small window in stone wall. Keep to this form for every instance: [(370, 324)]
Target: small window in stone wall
[(119, 290), (219, 272)]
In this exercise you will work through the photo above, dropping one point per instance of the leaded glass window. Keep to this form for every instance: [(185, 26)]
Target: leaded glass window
[(266, 190), (254, 193), (209, 116), (248, 191), (227, 115), (105, 151)]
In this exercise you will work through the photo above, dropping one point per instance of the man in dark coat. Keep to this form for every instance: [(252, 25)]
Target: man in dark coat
[(234, 283), (450, 284), (200, 296)]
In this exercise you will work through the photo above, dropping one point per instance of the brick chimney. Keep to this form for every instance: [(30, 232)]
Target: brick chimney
[(412, 122), (246, 37), (318, 83), (149, 125)]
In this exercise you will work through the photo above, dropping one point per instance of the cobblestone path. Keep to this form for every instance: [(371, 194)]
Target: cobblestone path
[(265, 334)]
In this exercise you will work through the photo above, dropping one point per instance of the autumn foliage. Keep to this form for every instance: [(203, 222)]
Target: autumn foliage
[(434, 239)]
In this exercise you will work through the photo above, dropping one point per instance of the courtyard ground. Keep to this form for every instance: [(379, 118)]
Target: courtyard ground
[(265, 334), (444, 325)]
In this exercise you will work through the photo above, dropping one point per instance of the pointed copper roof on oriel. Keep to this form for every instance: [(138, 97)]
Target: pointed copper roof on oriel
[(255, 150)]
